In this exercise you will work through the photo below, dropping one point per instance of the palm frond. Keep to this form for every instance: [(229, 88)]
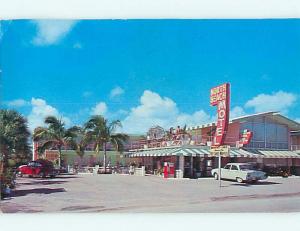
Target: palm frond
[(118, 141), (113, 125)]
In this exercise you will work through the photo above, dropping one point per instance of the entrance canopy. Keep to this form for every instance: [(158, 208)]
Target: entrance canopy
[(187, 151)]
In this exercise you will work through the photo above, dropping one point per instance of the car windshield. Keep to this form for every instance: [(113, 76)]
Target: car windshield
[(246, 167)]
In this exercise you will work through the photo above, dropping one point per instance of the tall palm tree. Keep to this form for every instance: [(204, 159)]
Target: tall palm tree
[(54, 135), (82, 138), (103, 132)]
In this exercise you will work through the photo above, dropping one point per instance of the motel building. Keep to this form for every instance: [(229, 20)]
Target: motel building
[(269, 140)]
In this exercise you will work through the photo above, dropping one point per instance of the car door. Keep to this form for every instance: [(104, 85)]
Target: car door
[(234, 170), (225, 171)]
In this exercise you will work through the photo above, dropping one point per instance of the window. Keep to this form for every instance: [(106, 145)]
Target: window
[(234, 167), (227, 166), (247, 167)]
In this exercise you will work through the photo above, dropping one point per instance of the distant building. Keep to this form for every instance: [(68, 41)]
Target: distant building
[(156, 132)]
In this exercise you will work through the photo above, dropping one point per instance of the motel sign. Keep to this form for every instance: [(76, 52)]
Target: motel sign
[(220, 97)]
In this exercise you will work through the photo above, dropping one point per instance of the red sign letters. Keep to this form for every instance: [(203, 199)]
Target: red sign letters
[(220, 97), (245, 137)]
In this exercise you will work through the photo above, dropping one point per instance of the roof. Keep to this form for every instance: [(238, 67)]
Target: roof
[(204, 151), (279, 154), (276, 116), (201, 151)]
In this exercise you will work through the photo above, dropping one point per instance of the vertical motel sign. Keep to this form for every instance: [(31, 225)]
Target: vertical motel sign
[(220, 97)]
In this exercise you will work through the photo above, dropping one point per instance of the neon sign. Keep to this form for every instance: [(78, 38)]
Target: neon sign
[(220, 97)]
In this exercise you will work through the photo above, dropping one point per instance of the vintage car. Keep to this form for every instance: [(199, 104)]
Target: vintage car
[(38, 168), (108, 170), (241, 172)]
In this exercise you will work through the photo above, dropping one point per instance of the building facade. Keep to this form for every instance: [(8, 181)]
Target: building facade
[(274, 144)]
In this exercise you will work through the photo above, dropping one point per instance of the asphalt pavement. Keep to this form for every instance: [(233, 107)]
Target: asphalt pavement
[(150, 194)]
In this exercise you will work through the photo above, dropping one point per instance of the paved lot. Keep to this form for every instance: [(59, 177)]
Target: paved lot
[(122, 193)]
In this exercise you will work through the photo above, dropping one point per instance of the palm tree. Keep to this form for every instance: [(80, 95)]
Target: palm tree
[(81, 140), (55, 135), (103, 132), (14, 136)]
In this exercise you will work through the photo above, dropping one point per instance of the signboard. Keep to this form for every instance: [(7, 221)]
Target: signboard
[(220, 149), (223, 150), (220, 97), (245, 137)]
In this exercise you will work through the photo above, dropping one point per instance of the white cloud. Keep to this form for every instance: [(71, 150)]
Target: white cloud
[(99, 109), (278, 101), (117, 91), (17, 103), (197, 118), (40, 110), (163, 111), (122, 112), (237, 112), (51, 31)]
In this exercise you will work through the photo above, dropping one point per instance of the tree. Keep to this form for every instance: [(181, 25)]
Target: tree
[(82, 138), (14, 135), (54, 135), (103, 132), (14, 146)]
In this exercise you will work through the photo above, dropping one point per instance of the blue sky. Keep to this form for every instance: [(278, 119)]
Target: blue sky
[(147, 72)]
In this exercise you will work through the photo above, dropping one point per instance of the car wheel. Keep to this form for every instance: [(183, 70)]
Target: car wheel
[(239, 180), (43, 175), (216, 176), (19, 174)]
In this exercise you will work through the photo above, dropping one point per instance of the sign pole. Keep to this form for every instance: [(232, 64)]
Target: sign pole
[(220, 184)]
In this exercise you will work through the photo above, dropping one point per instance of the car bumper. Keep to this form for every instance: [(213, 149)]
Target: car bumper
[(254, 178)]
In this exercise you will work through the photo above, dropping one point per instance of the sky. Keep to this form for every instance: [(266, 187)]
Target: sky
[(148, 72)]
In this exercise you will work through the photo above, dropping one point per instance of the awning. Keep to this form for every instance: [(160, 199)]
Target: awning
[(279, 154), (187, 151)]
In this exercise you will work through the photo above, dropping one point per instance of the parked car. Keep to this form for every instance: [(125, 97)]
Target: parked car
[(38, 168), (241, 172), (107, 171)]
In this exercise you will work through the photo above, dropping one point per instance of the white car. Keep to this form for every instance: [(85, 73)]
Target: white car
[(241, 172)]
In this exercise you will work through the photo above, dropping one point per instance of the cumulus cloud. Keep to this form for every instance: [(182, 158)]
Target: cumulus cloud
[(99, 109), (117, 91), (40, 110), (278, 101), (51, 31), (17, 103), (163, 111), (237, 112)]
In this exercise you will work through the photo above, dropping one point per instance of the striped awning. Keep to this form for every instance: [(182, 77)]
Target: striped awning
[(279, 154), (187, 151)]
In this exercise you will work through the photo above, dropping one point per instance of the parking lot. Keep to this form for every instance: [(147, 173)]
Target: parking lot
[(123, 194)]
